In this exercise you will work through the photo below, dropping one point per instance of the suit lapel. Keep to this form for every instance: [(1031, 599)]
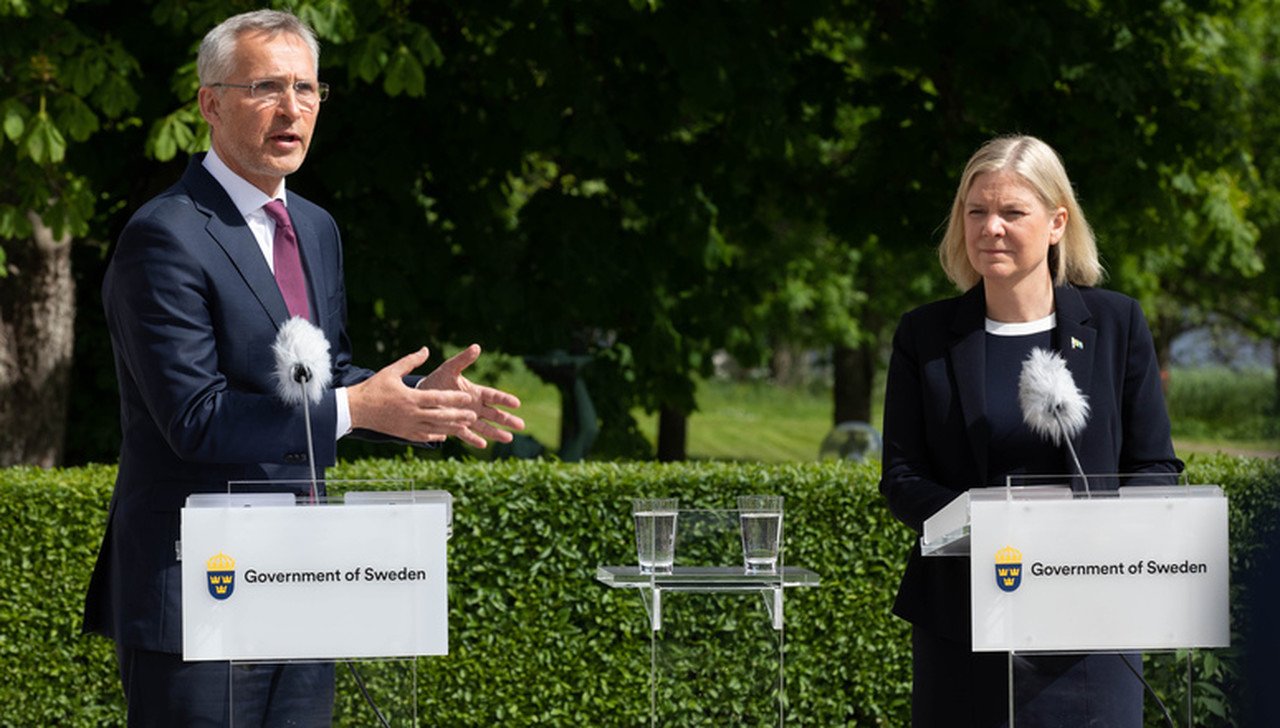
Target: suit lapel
[(227, 227), (1076, 344), (969, 361), (1076, 338)]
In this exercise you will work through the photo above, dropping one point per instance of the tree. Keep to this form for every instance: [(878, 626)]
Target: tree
[(1144, 103), (575, 176), (645, 183), (585, 177), (61, 83)]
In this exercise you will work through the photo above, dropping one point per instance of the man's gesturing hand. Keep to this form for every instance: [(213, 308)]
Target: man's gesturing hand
[(483, 401), (384, 404)]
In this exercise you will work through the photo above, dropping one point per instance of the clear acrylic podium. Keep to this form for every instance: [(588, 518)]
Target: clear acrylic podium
[(716, 633), (1133, 564), (348, 590)]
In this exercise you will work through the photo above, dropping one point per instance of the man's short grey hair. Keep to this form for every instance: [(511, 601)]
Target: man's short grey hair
[(216, 58)]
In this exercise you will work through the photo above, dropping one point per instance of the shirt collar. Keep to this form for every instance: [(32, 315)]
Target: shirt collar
[(1022, 328), (247, 198)]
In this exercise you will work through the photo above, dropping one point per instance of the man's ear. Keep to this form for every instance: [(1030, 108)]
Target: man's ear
[(209, 105)]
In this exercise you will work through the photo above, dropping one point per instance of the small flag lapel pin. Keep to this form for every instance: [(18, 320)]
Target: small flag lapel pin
[(1076, 343)]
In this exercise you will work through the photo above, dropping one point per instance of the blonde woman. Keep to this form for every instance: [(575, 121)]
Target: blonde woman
[(1019, 248)]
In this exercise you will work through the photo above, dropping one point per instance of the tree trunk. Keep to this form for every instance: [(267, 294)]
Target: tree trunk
[(37, 330), (1275, 371), (673, 435), (854, 373), (1163, 332), (787, 366)]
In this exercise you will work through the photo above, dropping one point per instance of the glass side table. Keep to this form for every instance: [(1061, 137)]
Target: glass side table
[(715, 658), (707, 579)]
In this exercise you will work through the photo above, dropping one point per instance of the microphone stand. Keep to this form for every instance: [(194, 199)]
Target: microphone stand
[(302, 375), (1070, 448)]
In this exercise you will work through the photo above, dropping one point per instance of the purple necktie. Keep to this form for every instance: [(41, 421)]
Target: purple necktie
[(287, 261)]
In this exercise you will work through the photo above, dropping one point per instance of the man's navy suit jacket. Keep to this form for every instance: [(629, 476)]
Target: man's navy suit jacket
[(193, 310), (936, 431)]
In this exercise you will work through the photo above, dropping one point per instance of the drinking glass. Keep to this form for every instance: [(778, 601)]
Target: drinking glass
[(655, 533), (761, 520)]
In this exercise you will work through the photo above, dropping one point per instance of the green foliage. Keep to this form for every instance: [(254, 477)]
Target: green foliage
[(15, 114), (53, 525), (1218, 681), (62, 80), (534, 639), (44, 143), (1152, 111), (551, 646), (183, 130), (650, 182)]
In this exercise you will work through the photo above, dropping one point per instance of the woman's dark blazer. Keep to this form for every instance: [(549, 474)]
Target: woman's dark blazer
[(936, 430)]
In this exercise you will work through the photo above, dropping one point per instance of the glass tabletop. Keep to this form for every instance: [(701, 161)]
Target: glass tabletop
[(706, 578)]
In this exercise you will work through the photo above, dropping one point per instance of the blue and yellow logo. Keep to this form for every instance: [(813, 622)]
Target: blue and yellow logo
[(1008, 568), (222, 576)]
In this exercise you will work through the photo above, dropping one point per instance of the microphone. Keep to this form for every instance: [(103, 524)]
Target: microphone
[(302, 374), (302, 358), (1052, 406)]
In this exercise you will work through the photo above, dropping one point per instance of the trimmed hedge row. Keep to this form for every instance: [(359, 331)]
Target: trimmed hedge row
[(534, 639)]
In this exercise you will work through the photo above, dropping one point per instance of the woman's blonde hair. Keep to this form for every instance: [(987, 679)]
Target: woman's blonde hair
[(1073, 260)]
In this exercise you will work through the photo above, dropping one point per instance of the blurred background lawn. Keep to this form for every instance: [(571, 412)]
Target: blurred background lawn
[(1213, 409)]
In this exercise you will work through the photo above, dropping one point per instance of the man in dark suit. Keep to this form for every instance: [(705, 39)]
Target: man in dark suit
[(201, 280)]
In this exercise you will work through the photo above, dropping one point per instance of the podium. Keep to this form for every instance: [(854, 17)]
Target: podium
[(1129, 568), (716, 633), (267, 580)]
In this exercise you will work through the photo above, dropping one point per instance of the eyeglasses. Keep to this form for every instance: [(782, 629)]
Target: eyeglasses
[(271, 90)]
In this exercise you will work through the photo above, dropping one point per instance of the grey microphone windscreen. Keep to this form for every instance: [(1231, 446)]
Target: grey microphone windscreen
[(302, 362), (1052, 406)]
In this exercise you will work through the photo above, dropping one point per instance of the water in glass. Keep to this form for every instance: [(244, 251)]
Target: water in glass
[(760, 537), (656, 540)]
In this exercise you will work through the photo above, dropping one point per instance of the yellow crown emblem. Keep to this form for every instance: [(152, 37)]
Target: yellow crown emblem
[(1008, 555), (221, 562)]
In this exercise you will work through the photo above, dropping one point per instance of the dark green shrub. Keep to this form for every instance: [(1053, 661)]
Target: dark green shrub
[(534, 638)]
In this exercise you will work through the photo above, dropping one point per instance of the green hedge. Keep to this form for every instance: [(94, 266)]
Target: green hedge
[(534, 639)]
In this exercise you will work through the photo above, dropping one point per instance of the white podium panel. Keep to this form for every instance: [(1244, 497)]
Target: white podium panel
[(283, 582), (1144, 571)]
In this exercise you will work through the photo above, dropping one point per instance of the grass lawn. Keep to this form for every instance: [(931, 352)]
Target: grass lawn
[(751, 420), (756, 420)]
